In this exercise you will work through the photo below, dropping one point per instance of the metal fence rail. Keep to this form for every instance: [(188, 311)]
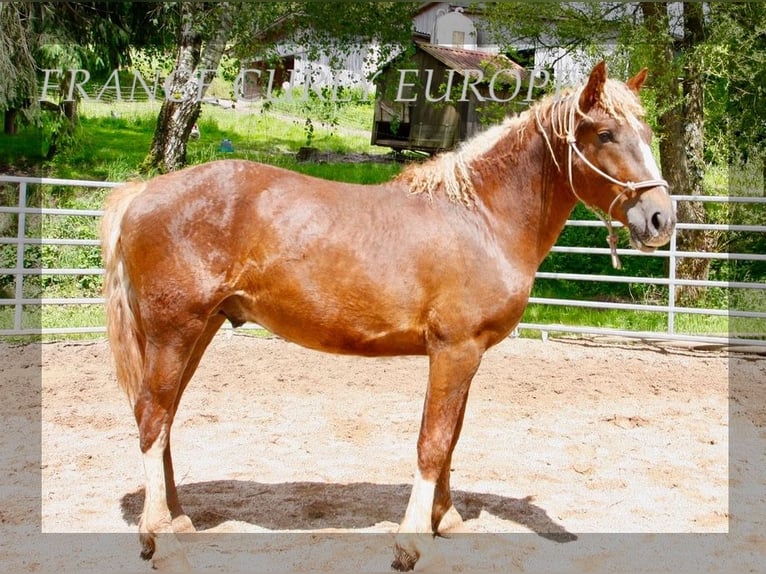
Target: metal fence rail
[(24, 269)]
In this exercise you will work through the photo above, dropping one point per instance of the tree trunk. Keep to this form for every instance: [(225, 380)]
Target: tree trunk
[(186, 87), (681, 121), (692, 120), (10, 127)]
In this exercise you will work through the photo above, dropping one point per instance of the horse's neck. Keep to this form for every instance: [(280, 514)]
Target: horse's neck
[(532, 194)]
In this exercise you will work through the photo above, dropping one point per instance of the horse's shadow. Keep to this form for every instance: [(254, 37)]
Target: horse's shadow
[(314, 505)]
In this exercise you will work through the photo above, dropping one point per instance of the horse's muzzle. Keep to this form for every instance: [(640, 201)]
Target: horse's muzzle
[(651, 219)]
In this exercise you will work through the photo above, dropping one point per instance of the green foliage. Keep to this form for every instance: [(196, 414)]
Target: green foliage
[(309, 129), (17, 67), (744, 180), (731, 55), (735, 55), (68, 35), (324, 28), (598, 265), (149, 62), (578, 25), (327, 107)]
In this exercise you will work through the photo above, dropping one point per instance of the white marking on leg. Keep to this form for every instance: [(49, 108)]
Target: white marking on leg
[(156, 512), (156, 521), (649, 162), (417, 518)]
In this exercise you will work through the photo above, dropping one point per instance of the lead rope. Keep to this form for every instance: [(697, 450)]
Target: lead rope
[(627, 186)]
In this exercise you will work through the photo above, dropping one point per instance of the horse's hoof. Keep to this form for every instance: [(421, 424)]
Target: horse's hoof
[(170, 556), (451, 523), (403, 560), (148, 546), (175, 562)]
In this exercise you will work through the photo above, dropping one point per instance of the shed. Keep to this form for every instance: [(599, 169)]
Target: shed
[(434, 97)]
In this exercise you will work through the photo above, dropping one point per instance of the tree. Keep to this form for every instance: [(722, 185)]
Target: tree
[(95, 36), (208, 30), (194, 69), (736, 58), (668, 38), (17, 64), (679, 90)]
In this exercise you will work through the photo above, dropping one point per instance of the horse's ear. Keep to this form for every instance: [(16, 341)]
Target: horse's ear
[(591, 93), (638, 80)]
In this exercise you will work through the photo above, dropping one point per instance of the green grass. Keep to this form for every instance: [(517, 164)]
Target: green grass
[(54, 317), (650, 321), (350, 172), (111, 141), (24, 150)]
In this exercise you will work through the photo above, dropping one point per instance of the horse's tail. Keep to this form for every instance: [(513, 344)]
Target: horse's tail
[(123, 324)]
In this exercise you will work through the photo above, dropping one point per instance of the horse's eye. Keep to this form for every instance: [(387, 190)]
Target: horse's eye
[(605, 136)]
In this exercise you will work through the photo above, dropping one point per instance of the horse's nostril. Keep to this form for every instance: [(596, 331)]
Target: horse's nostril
[(657, 222)]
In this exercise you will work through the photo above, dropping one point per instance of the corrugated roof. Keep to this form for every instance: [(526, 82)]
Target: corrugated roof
[(460, 59)]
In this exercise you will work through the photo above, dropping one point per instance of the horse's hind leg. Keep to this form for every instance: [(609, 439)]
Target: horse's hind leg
[(166, 361), (181, 523)]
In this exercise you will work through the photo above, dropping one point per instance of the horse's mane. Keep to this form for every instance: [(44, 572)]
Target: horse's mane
[(454, 173)]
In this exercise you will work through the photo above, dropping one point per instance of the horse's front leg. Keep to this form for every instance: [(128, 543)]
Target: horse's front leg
[(445, 519), (451, 370)]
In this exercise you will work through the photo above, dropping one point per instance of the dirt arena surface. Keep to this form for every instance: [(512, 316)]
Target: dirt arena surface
[(575, 456)]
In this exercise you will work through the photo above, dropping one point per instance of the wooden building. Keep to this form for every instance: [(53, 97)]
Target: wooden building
[(437, 96)]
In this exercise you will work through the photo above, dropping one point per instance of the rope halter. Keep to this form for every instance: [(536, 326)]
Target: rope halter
[(568, 134)]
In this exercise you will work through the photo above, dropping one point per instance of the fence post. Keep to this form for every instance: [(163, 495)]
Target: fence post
[(672, 283), (21, 222)]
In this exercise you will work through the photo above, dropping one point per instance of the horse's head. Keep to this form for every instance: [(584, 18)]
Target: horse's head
[(610, 163)]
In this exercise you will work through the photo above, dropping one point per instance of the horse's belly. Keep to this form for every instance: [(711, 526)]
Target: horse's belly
[(331, 325)]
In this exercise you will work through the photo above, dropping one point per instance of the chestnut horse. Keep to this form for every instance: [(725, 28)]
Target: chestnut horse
[(438, 262)]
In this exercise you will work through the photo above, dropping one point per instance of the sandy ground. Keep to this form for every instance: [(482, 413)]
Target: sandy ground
[(576, 456)]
